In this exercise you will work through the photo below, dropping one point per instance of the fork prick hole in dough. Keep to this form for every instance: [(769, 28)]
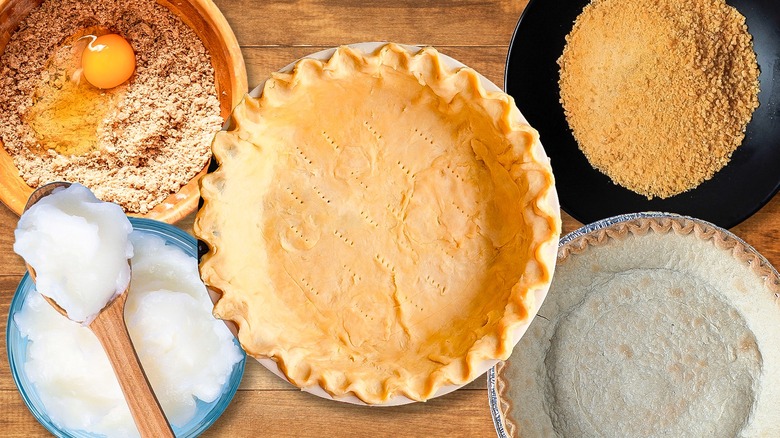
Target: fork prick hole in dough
[(373, 131), (344, 238), (330, 140), (303, 155), (319, 193)]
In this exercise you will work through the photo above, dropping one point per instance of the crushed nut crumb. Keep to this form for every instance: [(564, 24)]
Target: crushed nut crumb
[(658, 92), (158, 137)]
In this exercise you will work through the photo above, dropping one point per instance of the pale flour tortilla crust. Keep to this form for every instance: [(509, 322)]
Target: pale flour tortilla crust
[(653, 326)]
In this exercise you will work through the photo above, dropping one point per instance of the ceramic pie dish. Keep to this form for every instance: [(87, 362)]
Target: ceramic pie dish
[(669, 321), (380, 227)]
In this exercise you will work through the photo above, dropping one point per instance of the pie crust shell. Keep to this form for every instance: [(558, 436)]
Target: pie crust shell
[(671, 318), (378, 224)]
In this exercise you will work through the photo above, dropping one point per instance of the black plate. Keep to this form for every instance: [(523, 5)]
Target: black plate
[(747, 183)]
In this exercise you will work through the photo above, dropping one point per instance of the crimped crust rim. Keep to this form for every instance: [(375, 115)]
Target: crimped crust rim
[(538, 206)]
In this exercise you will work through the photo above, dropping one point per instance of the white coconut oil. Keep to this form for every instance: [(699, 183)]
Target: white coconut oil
[(78, 247), (187, 354)]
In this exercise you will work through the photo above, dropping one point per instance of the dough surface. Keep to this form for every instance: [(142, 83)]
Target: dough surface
[(376, 223)]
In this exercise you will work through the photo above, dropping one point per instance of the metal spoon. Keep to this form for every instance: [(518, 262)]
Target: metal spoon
[(110, 329)]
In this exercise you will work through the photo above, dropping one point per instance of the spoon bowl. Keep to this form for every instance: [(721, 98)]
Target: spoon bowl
[(110, 329)]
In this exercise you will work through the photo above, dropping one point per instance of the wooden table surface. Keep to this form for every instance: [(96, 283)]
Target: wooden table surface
[(272, 34)]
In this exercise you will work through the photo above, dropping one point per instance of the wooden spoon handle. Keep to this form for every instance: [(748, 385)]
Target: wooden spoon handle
[(110, 329)]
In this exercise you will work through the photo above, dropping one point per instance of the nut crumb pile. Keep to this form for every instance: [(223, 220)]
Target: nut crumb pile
[(658, 92), (156, 139)]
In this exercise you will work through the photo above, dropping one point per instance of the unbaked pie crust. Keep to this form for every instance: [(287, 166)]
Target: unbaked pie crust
[(377, 223)]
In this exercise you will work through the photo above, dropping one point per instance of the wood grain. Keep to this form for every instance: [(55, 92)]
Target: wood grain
[(261, 61), (336, 22), (298, 414), (271, 35)]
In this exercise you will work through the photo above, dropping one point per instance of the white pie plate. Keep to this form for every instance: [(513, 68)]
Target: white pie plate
[(549, 251), (519, 389)]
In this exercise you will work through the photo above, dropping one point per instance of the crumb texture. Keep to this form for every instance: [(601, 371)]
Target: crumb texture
[(157, 135), (658, 92)]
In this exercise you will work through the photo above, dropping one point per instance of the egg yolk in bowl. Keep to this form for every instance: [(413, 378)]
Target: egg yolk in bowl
[(108, 61)]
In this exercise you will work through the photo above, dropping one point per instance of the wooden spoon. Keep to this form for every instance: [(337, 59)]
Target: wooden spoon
[(110, 329)]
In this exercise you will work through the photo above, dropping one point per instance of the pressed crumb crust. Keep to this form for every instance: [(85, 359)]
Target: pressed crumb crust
[(156, 139), (658, 92)]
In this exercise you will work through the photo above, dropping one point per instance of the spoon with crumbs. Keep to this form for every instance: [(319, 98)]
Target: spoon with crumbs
[(66, 234)]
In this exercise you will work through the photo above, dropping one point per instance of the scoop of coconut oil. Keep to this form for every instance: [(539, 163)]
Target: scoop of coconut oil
[(186, 353), (79, 249)]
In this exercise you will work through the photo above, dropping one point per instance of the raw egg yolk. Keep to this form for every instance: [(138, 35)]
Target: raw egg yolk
[(108, 61)]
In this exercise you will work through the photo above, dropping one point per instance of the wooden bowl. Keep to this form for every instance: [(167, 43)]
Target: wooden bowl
[(231, 85)]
